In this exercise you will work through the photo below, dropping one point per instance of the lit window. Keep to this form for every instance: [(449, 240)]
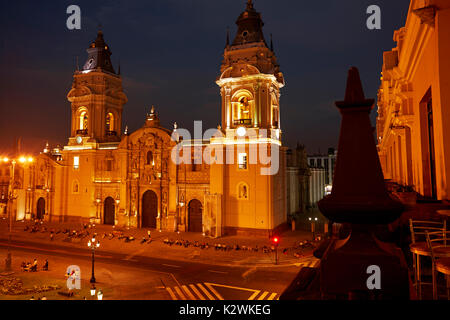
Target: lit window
[(242, 161), (109, 122), (76, 162), (83, 124)]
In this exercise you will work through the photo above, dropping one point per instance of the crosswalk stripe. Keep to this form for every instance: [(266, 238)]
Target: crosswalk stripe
[(182, 296), (197, 292), (191, 297), (253, 296), (261, 297), (191, 292), (172, 295), (272, 296), (205, 291), (210, 287)]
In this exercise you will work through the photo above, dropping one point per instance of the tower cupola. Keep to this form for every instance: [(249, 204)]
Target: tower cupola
[(249, 27), (99, 55)]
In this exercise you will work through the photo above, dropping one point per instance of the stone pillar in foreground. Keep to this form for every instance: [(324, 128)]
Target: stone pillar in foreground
[(360, 266)]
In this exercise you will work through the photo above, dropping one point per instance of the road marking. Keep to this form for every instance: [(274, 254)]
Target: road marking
[(209, 285), (182, 296), (170, 265), (272, 296), (252, 297), (191, 292), (231, 287), (205, 291), (214, 271), (191, 297), (172, 295), (197, 292), (261, 297)]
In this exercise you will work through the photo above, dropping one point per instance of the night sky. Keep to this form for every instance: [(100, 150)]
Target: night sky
[(170, 53)]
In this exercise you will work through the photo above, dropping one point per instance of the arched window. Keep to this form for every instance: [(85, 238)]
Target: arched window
[(150, 158), (242, 108), (109, 122), (242, 191), (83, 120)]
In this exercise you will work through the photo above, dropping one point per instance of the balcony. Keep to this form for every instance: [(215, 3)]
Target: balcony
[(242, 122), (82, 132)]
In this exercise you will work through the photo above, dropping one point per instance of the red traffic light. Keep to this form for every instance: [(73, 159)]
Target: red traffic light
[(275, 240)]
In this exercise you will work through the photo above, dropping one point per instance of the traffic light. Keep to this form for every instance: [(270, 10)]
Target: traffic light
[(275, 240)]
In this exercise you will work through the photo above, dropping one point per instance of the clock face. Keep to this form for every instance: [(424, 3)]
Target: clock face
[(241, 131), (79, 140)]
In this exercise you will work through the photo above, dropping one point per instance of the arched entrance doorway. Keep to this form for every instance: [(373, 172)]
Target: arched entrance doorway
[(195, 216), (109, 211), (149, 209), (40, 210)]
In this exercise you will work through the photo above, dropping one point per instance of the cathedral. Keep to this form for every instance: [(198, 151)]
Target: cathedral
[(107, 175)]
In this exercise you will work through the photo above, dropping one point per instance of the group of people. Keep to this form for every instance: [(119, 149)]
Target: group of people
[(217, 246), (33, 267)]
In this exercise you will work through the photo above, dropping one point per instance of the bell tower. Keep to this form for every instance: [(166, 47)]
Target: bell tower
[(250, 79), (97, 98), (247, 176)]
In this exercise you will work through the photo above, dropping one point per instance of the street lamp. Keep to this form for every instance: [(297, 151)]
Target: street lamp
[(93, 244), (100, 294), (93, 290), (11, 196)]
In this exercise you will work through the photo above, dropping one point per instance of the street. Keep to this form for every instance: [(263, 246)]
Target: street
[(135, 276)]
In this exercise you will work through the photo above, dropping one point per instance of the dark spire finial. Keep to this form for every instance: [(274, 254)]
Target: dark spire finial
[(228, 36), (249, 4), (354, 91)]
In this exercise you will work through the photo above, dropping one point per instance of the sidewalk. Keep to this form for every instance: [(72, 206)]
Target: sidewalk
[(289, 251)]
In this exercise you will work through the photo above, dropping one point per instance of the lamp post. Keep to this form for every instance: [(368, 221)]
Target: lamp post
[(9, 199), (93, 244), (97, 204)]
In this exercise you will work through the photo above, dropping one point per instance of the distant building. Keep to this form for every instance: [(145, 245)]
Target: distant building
[(322, 171), (297, 180), (316, 185), (413, 123), (325, 161)]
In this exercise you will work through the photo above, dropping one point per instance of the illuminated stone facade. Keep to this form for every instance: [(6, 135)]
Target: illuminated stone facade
[(107, 175), (413, 124)]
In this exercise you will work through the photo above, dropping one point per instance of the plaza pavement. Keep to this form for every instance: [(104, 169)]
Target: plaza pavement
[(290, 253)]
